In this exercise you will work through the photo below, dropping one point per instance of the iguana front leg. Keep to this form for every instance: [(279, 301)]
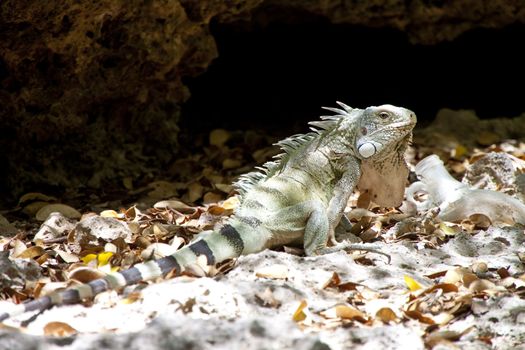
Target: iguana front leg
[(321, 224), (341, 193)]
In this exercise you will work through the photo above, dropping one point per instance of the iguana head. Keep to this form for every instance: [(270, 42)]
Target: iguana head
[(383, 135), (380, 129)]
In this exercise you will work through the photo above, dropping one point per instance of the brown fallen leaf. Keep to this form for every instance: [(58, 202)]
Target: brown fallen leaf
[(31, 252), (436, 274), (416, 315), (332, 282), (211, 197), (59, 329), (66, 210), (345, 312), (85, 274), (195, 191), (386, 315)]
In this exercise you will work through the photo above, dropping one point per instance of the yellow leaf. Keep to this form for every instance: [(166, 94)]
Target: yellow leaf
[(103, 258), (87, 258), (459, 151), (299, 314), (411, 283), (449, 230)]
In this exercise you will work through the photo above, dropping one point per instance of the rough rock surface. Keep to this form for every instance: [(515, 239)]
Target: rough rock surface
[(91, 91), (426, 22)]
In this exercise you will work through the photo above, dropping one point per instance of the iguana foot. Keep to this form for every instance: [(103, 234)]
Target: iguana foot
[(353, 246)]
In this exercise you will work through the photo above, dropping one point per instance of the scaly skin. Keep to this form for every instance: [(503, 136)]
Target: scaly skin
[(299, 198)]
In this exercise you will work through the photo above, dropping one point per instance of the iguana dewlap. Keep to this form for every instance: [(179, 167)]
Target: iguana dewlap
[(298, 198)]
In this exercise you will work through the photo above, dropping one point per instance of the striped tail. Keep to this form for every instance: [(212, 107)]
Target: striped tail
[(216, 247)]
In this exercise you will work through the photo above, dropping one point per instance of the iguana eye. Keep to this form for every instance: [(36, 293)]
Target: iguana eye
[(384, 115)]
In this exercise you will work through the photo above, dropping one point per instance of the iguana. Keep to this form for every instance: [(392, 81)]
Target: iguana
[(299, 197)]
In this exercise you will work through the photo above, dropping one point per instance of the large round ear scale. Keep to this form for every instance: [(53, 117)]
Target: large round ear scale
[(367, 149)]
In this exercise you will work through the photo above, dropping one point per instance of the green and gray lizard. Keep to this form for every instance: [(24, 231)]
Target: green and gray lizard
[(298, 198)]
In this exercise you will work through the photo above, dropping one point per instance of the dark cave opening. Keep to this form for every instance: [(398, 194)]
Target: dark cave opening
[(280, 74)]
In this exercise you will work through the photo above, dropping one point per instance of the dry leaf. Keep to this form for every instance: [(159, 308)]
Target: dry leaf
[(273, 272), (32, 208), (85, 274), (438, 337), (363, 201), (299, 314), (211, 197), (59, 329), (66, 256), (436, 274), (63, 209), (157, 251), (459, 151), (411, 283), (111, 214), (226, 188), (487, 138), (345, 312), (127, 182), (445, 287), (449, 229), (503, 272), (416, 315), (219, 137), (481, 285), (372, 232), (386, 315), (35, 196), (6, 228), (468, 278), (195, 191), (229, 163), (455, 275), (162, 189), (31, 252), (132, 298), (176, 205), (18, 247), (333, 281), (231, 203)]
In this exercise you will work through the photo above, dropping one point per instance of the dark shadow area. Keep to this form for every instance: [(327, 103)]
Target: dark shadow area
[(280, 74)]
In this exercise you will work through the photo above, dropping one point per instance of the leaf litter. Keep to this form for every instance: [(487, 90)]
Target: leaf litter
[(78, 245)]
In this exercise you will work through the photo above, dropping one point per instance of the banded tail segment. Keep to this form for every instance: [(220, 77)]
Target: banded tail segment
[(217, 247)]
